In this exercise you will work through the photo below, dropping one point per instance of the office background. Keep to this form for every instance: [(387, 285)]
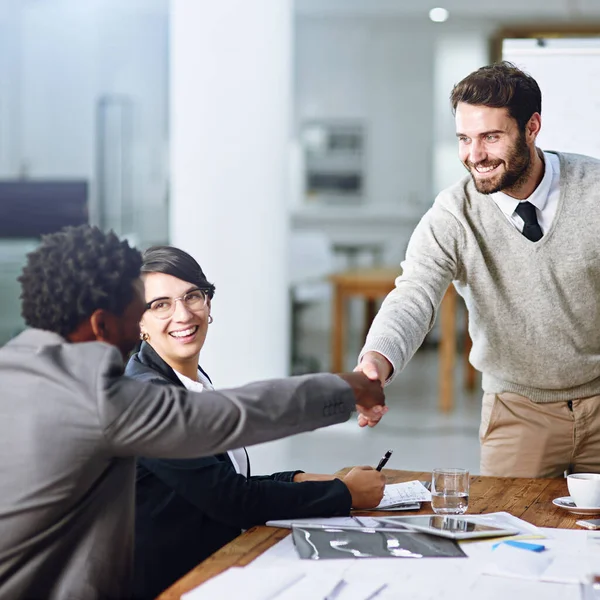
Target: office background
[(235, 128)]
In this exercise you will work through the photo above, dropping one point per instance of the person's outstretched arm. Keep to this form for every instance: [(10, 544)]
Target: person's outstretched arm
[(408, 312), (170, 422)]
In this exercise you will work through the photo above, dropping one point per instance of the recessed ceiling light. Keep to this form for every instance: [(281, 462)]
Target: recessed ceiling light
[(438, 15)]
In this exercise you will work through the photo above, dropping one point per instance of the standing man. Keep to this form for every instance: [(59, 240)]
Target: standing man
[(71, 425), (519, 238)]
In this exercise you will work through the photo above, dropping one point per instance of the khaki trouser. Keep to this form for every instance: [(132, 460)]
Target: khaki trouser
[(520, 438)]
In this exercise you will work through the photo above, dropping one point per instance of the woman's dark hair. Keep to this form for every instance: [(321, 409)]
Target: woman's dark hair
[(501, 85), (173, 261), (75, 272)]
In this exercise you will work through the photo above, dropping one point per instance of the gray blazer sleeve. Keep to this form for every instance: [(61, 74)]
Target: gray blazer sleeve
[(170, 422)]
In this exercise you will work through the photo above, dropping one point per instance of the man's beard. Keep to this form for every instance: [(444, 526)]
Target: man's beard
[(518, 167)]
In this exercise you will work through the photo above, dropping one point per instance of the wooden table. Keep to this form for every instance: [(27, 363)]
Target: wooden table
[(376, 283), (529, 499)]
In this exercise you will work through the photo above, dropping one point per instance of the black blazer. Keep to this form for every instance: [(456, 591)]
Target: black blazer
[(188, 509)]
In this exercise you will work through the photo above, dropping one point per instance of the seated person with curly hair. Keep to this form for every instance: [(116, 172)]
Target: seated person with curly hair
[(188, 509), (72, 425)]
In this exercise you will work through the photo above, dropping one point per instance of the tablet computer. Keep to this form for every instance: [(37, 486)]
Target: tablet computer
[(456, 528)]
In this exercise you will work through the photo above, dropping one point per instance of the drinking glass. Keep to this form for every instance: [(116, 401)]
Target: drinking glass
[(450, 491)]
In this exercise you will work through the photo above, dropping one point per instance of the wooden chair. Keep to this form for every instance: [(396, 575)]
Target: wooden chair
[(374, 284)]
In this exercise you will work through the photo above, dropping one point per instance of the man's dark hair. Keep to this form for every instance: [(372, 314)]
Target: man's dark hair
[(177, 263), (75, 272), (501, 85)]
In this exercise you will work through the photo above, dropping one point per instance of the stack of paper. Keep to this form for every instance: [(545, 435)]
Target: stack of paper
[(398, 495)]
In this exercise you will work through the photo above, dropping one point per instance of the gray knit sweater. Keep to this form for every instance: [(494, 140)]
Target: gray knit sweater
[(534, 308)]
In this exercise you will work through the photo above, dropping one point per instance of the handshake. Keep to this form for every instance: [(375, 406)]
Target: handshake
[(367, 384)]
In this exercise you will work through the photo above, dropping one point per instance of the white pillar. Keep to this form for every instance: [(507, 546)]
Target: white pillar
[(230, 130)]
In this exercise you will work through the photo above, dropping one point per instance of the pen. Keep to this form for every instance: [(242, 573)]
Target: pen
[(384, 460)]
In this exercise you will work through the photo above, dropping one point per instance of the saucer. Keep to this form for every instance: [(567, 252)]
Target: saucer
[(567, 503)]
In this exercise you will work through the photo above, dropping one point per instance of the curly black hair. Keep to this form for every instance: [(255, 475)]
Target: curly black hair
[(75, 272)]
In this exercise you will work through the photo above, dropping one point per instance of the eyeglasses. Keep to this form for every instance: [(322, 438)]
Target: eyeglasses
[(163, 308)]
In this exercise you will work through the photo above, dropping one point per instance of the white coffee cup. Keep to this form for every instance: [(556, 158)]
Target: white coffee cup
[(584, 488)]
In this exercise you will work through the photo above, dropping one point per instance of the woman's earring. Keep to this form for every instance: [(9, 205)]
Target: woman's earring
[(210, 319), (144, 337)]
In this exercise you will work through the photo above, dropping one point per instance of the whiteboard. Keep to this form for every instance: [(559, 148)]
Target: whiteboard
[(569, 78)]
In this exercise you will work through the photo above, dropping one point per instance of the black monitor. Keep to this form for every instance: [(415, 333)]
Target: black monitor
[(29, 209)]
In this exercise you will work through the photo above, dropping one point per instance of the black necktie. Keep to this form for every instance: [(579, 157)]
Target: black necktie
[(532, 230)]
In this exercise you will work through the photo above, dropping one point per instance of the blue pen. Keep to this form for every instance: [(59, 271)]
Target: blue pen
[(522, 545)]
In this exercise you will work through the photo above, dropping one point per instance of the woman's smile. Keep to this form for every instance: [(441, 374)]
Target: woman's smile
[(185, 335)]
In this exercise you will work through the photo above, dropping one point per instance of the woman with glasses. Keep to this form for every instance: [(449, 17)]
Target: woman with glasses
[(188, 509)]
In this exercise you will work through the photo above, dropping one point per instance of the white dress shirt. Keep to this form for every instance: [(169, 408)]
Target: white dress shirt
[(238, 457), (544, 197)]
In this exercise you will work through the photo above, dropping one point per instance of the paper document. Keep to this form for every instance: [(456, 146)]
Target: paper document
[(258, 584), (286, 583), (329, 586), (409, 492), (313, 585), (426, 578), (566, 560)]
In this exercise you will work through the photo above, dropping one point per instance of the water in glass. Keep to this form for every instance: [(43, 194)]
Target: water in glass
[(450, 491), (449, 503)]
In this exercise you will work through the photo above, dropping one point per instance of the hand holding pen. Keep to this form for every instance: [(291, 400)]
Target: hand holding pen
[(365, 485)]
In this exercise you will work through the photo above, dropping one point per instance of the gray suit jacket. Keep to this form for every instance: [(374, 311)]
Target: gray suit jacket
[(70, 428)]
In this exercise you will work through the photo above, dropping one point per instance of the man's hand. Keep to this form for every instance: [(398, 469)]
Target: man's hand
[(370, 400), (366, 486), (377, 368)]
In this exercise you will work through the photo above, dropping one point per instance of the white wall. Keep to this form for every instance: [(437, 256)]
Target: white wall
[(395, 75), (56, 60), (378, 72)]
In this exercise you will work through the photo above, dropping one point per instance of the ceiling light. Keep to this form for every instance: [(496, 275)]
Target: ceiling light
[(438, 15)]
